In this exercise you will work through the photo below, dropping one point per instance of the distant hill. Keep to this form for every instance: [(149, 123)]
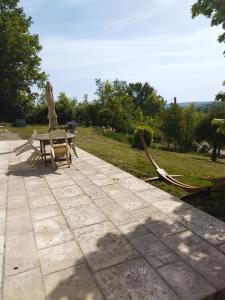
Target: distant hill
[(198, 104)]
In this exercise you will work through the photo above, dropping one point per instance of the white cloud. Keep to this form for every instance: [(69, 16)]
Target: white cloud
[(190, 66)]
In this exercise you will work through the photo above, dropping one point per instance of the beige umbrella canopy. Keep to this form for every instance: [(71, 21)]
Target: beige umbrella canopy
[(52, 117)]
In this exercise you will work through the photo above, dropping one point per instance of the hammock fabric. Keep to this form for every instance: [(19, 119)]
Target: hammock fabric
[(162, 174)]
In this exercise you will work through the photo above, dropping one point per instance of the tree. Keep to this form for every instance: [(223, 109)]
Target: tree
[(190, 117), (172, 125), (19, 62), (65, 108), (213, 9), (207, 129)]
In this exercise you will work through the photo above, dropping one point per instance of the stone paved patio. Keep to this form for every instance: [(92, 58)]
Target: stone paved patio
[(93, 232)]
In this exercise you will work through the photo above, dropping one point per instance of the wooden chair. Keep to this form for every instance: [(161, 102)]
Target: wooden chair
[(59, 146), (72, 145), (35, 156), (27, 145)]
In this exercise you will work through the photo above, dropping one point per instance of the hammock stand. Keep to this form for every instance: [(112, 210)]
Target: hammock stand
[(170, 179)]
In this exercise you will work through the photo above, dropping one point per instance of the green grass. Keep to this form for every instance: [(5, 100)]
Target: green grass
[(196, 169)]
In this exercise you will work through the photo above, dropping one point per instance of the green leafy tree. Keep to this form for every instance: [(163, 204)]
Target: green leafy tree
[(213, 9), (172, 125), (207, 129), (19, 61), (190, 118), (65, 108)]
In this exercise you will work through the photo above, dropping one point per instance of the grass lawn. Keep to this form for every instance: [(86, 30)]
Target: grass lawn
[(196, 169)]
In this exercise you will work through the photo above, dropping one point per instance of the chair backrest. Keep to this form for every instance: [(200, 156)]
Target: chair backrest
[(31, 139), (58, 135)]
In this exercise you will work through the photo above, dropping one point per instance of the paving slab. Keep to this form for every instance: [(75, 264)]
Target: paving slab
[(187, 283), (204, 225), (103, 245), (60, 257), (132, 202), (51, 231), (93, 191), (117, 214), (83, 216), (116, 190), (45, 212), (27, 285), (21, 254), (203, 257), (74, 283), (154, 250), (67, 192), (134, 280), (75, 202)]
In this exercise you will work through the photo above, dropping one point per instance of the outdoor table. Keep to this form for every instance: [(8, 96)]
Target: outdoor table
[(44, 140)]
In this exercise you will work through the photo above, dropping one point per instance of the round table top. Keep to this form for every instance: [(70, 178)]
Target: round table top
[(45, 136)]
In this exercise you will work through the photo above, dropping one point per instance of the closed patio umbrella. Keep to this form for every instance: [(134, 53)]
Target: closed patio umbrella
[(52, 117)]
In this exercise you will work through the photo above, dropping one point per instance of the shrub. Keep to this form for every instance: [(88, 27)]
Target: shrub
[(147, 133)]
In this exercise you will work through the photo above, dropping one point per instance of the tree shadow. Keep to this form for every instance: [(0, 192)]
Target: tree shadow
[(159, 258)]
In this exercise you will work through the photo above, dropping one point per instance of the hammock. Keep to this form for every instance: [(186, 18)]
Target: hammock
[(163, 175)]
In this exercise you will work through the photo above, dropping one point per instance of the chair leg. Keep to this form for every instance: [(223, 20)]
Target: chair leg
[(53, 162), (74, 149), (68, 159)]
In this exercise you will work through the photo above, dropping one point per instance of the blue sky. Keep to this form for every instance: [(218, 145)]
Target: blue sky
[(133, 40)]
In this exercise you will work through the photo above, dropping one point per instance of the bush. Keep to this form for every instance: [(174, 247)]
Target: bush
[(147, 133)]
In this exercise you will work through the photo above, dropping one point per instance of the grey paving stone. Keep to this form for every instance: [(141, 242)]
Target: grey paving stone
[(206, 226), (37, 192), (165, 227), (171, 205), (1, 270), (153, 194), (103, 245), (222, 248), (119, 175), (75, 202), (97, 176), (3, 200), (203, 257), (75, 283), (84, 215), (17, 201), (109, 169), (187, 283), (21, 254), (114, 211), (134, 280), (83, 182), (41, 200), (18, 221), (45, 212), (102, 182), (27, 285), (60, 183), (93, 191), (134, 184), (60, 257), (132, 202), (67, 192), (153, 250), (2, 244), (52, 231), (2, 221), (148, 215), (116, 190), (132, 229), (181, 239)]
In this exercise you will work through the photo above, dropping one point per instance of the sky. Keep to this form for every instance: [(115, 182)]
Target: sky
[(133, 40)]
